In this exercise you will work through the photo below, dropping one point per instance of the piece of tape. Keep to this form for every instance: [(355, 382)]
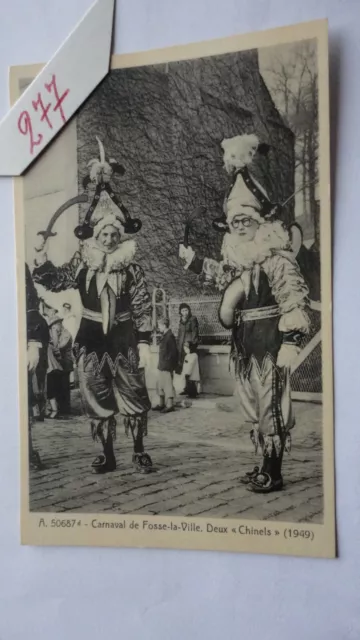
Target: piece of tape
[(78, 66)]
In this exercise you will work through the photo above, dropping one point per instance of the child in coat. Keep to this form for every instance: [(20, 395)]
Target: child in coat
[(168, 359), (191, 370)]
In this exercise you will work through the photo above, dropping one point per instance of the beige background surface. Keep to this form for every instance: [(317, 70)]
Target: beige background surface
[(86, 593)]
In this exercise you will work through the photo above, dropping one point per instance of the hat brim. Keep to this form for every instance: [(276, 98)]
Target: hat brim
[(132, 225), (220, 225), (83, 232)]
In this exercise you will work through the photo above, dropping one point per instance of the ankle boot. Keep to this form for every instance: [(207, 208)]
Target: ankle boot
[(269, 478), (34, 457), (104, 432), (138, 427)]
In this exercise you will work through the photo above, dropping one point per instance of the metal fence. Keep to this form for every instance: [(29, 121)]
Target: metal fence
[(306, 375), (306, 379), (206, 310)]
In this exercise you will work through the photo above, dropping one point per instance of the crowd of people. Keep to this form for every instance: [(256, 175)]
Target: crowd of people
[(52, 388), (178, 357)]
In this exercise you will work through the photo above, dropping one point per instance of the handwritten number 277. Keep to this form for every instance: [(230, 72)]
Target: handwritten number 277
[(25, 124)]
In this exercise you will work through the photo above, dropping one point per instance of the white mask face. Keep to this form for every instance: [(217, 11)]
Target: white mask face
[(108, 238)]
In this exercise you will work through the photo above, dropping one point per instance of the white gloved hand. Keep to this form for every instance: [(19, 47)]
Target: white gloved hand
[(187, 254), (144, 355), (40, 251), (287, 356), (40, 258), (33, 354)]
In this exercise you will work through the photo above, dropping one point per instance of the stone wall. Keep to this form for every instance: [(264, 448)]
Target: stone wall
[(164, 124)]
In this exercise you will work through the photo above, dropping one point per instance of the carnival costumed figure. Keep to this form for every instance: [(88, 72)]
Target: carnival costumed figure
[(112, 343), (264, 301)]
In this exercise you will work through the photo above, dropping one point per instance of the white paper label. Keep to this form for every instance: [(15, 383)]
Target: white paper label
[(57, 92)]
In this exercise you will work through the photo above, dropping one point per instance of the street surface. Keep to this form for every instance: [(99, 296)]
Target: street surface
[(199, 454)]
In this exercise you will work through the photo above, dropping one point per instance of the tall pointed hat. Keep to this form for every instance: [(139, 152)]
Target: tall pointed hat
[(100, 173), (245, 194)]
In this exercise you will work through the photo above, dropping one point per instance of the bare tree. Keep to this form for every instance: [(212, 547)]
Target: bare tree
[(292, 79), (293, 83)]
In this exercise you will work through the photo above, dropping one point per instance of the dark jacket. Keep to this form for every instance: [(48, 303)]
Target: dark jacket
[(309, 263), (188, 332), (132, 314), (36, 331), (168, 353), (36, 325)]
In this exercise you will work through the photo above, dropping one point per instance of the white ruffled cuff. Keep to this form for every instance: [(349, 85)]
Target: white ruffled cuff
[(35, 343), (295, 320)]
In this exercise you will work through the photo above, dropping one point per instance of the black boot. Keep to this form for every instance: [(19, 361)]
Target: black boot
[(257, 440), (249, 475), (142, 462), (105, 432), (35, 463), (109, 454), (269, 478), (138, 427)]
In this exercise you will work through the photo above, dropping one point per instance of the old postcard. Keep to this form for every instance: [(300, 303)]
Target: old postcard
[(174, 296)]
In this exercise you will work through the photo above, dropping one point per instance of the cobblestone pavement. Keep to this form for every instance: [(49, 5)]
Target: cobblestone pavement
[(199, 455)]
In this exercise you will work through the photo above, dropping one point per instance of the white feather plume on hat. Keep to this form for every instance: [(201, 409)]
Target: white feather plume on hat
[(99, 169), (239, 152)]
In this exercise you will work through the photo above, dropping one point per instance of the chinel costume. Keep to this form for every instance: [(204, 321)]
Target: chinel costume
[(264, 301), (116, 319)]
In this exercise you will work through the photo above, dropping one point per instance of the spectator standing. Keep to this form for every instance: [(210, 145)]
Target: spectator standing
[(188, 332), (60, 365), (168, 361), (191, 371)]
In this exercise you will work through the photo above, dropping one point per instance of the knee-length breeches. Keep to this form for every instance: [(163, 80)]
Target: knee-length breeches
[(104, 394), (265, 398)]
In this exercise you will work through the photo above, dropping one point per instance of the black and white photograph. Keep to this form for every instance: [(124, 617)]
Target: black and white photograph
[(177, 259)]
